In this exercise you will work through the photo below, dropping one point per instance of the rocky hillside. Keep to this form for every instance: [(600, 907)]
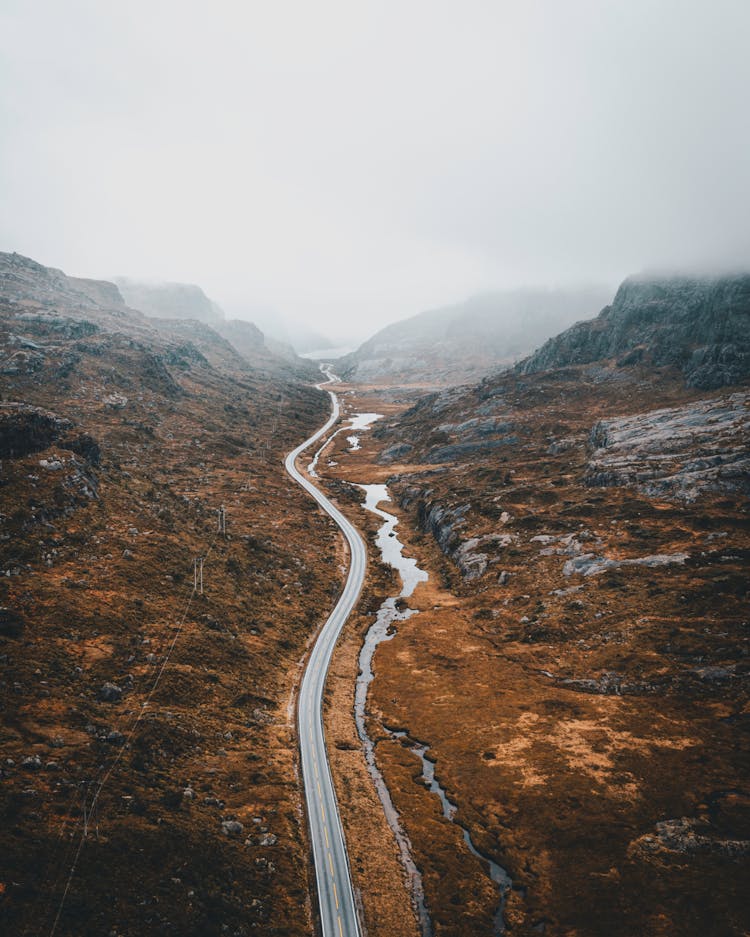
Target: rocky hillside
[(148, 752), (185, 311), (699, 325), (463, 342), (586, 533)]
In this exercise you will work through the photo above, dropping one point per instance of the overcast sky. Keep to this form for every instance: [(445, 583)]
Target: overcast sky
[(351, 163)]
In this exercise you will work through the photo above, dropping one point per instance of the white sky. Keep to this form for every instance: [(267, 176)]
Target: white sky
[(349, 163)]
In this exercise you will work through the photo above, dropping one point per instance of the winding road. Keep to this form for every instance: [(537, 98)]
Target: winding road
[(338, 912)]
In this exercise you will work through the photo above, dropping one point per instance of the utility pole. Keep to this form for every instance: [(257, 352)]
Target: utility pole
[(223, 521), (198, 575)]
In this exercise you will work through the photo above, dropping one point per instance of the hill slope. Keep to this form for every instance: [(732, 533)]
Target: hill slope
[(120, 437), (578, 667)]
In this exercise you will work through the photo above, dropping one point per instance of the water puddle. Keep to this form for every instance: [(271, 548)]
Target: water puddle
[(363, 420), (391, 548), (359, 421)]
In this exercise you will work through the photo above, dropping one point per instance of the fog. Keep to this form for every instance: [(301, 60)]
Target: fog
[(351, 163)]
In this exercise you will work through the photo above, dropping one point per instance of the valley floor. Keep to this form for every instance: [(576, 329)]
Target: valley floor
[(586, 721)]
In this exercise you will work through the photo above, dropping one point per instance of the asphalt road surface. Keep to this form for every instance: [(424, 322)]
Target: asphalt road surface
[(338, 912)]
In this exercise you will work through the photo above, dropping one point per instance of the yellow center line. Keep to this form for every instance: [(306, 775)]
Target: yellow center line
[(325, 830), (330, 862), (335, 895), (341, 931)]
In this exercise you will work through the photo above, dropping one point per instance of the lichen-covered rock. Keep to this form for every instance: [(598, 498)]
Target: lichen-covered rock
[(455, 452), (588, 564), (395, 452), (110, 693), (677, 452)]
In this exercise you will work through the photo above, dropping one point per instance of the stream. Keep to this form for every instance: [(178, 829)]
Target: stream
[(391, 551), (391, 611)]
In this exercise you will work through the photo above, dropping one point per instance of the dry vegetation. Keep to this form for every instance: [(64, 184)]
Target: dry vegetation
[(107, 494), (590, 728)]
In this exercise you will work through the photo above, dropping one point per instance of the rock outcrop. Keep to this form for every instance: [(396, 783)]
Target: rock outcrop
[(676, 452), (443, 523), (69, 303), (25, 429)]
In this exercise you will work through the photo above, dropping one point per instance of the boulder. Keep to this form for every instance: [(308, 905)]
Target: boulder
[(110, 693)]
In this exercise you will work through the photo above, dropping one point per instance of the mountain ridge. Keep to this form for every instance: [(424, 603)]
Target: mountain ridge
[(700, 325)]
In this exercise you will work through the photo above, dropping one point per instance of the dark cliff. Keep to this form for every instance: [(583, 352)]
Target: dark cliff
[(698, 325)]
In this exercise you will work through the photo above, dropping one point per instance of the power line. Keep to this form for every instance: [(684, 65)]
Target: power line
[(93, 808), (198, 564)]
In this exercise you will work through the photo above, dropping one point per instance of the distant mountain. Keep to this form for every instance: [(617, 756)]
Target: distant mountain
[(248, 339), (304, 339), (699, 325), (169, 303), (37, 290), (170, 300), (280, 329), (462, 342)]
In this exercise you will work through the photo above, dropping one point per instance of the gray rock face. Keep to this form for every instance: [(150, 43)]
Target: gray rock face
[(25, 279), (444, 523), (25, 429), (394, 453), (677, 452), (472, 564), (700, 325), (686, 836), (455, 452), (588, 564)]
